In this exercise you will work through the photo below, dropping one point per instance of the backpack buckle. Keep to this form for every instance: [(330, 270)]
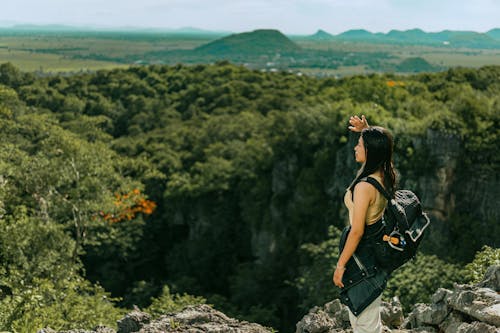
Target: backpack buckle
[(395, 240)]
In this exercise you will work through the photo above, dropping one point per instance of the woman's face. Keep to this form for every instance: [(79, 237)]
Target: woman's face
[(359, 151)]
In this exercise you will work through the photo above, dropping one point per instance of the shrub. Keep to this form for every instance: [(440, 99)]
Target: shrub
[(474, 271)]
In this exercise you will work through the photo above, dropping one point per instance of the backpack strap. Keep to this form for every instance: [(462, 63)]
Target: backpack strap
[(376, 184), (379, 187)]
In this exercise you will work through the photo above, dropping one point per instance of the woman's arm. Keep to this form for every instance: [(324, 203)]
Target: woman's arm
[(358, 124), (362, 197)]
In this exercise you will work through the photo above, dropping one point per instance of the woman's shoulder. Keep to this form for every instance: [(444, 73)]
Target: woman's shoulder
[(364, 188)]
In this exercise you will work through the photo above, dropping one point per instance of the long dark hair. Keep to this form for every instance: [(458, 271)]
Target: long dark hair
[(379, 145)]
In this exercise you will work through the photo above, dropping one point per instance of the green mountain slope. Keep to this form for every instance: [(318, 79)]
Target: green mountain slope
[(255, 42)]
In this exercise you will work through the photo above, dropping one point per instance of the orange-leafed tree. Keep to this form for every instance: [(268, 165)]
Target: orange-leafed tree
[(127, 206)]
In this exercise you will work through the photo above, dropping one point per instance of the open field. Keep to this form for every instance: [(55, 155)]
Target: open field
[(64, 52), (464, 59), (42, 62), (439, 56), (341, 71), (109, 45)]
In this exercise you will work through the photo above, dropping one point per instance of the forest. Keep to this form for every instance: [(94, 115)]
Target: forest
[(165, 185)]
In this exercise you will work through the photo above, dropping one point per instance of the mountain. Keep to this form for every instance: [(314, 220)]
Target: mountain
[(255, 42), (321, 35), (358, 34), (407, 34), (467, 39)]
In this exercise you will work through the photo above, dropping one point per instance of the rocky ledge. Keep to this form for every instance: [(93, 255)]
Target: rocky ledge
[(193, 319), (465, 309)]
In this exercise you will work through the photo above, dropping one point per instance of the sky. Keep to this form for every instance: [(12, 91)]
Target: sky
[(288, 16)]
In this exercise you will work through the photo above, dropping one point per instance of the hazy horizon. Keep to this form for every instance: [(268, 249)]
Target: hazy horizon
[(290, 17), (48, 27)]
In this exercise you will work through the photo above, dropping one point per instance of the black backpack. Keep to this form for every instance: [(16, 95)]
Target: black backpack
[(401, 228)]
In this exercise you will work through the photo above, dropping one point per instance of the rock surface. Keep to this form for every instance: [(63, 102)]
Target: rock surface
[(334, 317), (465, 309), (193, 319)]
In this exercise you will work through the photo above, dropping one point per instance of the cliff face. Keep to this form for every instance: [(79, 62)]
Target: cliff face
[(457, 198)]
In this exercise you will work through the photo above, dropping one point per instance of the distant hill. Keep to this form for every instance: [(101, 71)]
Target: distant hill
[(358, 34), (408, 34), (255, 42), (322, 35), (47, 28), (414, 65), (494, 33), (468, 39)]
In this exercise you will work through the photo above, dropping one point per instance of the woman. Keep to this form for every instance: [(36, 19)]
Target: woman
[(366, 207)]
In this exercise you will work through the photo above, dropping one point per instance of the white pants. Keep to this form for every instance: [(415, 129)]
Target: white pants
[(369, 320)]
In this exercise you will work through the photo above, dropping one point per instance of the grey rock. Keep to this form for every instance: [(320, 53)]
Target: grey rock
[(339, 312), (483, 304), (491, 278), (133, 321), (318, 321), (386, 329), (424, 314), (452, 322), (466, 308), (441, 295), (476, 327), (201, 319), (424, 329), (334, 317), (392, 313)]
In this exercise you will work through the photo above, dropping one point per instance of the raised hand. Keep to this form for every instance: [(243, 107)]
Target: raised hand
[(358, 124)]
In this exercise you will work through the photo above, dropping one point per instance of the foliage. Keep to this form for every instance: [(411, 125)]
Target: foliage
[(315, 283), (417, 280), (167, 302), (475, 270), (247, 170), (128, 205), (69, 304), (40, 279)]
